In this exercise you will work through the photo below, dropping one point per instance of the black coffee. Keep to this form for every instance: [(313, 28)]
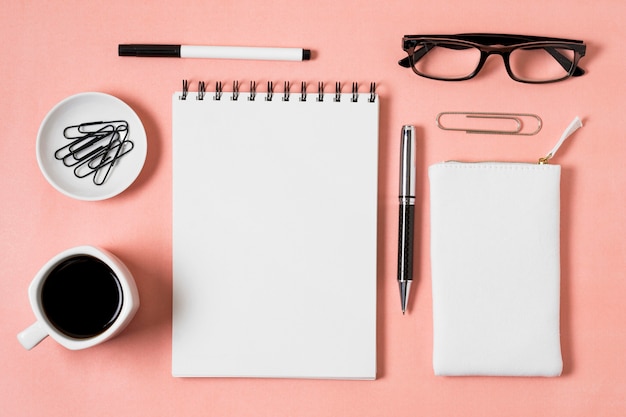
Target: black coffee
[(82, 297)]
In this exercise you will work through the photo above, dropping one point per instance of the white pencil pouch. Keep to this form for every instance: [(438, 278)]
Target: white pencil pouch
[(495, 254)]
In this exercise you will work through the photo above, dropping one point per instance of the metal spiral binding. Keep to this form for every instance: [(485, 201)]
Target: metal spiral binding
[(320, 91), (235, 95), (201, 90), (270, 91), (185, 90), (337, 92), (355, 92), (218, 91), (252, 95), (372, 92), (303, 91)]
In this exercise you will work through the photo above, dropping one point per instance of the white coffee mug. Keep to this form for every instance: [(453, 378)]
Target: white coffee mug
[(81, 297)]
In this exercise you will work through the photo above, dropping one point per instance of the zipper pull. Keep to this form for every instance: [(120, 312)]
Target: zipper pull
[(574, 126)]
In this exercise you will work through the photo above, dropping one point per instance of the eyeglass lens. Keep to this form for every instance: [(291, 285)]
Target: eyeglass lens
[(541, 64), (452, 61), (448, 61)]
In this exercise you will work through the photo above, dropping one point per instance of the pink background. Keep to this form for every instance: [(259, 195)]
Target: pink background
[(55, 49)]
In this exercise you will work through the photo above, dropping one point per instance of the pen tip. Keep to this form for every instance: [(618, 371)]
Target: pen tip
[(405, 287)]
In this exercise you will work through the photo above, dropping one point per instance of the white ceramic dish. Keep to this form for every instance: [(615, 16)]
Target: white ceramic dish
[(88, 108)]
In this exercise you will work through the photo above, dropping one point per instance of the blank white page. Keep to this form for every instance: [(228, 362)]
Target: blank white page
[(274, 236)]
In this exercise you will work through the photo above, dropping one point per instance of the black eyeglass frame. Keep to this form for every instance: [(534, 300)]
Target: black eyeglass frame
[(499, 44)]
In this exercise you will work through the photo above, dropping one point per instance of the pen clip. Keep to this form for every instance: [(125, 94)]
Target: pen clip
[(407, 163)]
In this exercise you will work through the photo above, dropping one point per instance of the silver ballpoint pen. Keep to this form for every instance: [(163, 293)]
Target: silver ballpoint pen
[(406, 213)]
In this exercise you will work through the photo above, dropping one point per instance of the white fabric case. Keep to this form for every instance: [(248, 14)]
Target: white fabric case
[(495, 268)]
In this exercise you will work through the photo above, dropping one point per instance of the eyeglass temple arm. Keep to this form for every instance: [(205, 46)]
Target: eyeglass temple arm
[(418, 54), (404, 62), (565, 62)]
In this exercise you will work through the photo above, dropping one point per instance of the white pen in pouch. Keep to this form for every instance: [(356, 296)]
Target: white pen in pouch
[(406, 213)]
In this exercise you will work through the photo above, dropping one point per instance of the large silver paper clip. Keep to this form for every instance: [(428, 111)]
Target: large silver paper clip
[(519, 123)]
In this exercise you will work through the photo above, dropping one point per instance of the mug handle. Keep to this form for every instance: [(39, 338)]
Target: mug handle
[(32, 335)]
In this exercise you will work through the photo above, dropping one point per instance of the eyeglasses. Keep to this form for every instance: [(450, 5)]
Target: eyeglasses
[(528, 59)]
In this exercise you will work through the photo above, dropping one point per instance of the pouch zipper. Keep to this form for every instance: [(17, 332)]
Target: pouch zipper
[(573, 126)]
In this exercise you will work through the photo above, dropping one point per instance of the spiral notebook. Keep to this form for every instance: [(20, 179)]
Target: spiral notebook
[(274, 233)]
